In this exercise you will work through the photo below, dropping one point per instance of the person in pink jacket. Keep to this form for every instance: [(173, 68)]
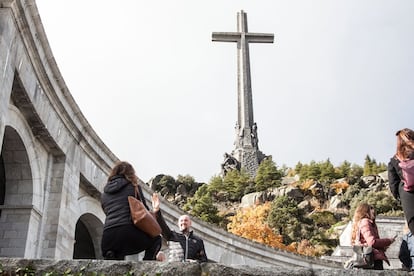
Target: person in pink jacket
[(364, 224)]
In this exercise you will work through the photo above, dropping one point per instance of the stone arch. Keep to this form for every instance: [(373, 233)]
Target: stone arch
[(88, 235), (17, 122), (89, 228), (18, 174), (17, 196), (21, 192)]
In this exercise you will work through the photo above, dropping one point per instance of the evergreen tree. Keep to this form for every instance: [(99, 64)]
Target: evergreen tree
[(267, 175), (285, 218), (298, 168), (368, 165), (314, 171), (231, 187), (304, 172), (371, 166), (327, 171), (382, 167), (344, 169), (356, 171), (235, 183), (215, 184), (201, 205)]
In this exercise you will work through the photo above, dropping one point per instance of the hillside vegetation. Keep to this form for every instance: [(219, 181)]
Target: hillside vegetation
[(296, 209)]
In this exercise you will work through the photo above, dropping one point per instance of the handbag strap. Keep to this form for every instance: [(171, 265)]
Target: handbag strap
[(136, 192), (139, 197)]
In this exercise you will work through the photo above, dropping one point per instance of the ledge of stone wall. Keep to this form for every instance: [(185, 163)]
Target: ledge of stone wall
[(16, 266)]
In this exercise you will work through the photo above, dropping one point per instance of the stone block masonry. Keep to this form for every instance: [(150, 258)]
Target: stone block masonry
[(152, 268)]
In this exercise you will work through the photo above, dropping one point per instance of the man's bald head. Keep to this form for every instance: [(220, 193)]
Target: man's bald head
[(184, 223)]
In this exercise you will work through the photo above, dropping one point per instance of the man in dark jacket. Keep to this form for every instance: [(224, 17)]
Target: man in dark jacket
[(192, 245)]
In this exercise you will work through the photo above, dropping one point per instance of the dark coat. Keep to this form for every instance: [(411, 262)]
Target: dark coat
[(396, 187), (192, 245), (114, 201)]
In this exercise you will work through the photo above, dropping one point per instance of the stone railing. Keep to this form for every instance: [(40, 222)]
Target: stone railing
[(9, 266)]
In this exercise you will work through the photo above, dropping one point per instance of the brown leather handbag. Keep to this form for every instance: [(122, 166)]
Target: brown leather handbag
[(141, 217)]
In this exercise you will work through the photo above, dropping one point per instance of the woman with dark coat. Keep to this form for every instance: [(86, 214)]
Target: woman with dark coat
[(405, 151), (120, 236)]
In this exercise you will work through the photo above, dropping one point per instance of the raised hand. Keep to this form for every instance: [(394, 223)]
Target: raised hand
[(155, 202)]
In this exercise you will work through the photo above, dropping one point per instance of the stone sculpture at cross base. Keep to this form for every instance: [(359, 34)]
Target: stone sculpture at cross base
[(246, 152), (230, 163)]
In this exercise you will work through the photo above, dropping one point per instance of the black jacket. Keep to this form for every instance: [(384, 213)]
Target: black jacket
[(396, 188), (114, 201), (192, 245), (394, 177)]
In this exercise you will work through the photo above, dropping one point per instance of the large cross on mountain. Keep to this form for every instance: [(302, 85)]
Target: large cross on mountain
[(246, 154)]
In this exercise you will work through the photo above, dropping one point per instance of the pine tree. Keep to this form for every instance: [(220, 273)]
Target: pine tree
[(201, 205), (267, 175)]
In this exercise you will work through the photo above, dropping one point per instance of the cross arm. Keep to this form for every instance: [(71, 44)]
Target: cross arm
[(236, 36), (226, 36), (259, 37)]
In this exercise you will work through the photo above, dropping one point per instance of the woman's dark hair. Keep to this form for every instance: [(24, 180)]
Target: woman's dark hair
[(405, 144), (125, 169)]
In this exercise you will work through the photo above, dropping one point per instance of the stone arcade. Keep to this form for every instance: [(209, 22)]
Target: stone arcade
[(53, 165)]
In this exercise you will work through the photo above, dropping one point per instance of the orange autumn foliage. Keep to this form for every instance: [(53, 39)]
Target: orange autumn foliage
[(250, 223), (307, 184), (340, 187), (305, 248)]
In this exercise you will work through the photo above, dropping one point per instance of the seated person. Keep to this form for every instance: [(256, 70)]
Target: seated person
[(192, 245)]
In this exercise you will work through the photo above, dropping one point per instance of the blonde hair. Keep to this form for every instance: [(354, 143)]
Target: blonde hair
[(362, 211)]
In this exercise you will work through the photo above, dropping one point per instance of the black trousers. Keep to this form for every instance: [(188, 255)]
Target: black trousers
[(117, 242), (378, 265), (411, 225)]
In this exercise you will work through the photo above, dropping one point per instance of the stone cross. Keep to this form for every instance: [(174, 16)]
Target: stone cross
[(242, 37), (246, 129)]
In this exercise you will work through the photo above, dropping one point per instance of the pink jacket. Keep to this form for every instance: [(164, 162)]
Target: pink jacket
[(369, 236)]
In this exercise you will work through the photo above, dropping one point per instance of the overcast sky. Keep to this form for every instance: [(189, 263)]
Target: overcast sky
[(337, 82)]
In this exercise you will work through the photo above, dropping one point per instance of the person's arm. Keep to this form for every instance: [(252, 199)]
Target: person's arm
[(394, 179), (202, 256), (367, 231), (166, 231)]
